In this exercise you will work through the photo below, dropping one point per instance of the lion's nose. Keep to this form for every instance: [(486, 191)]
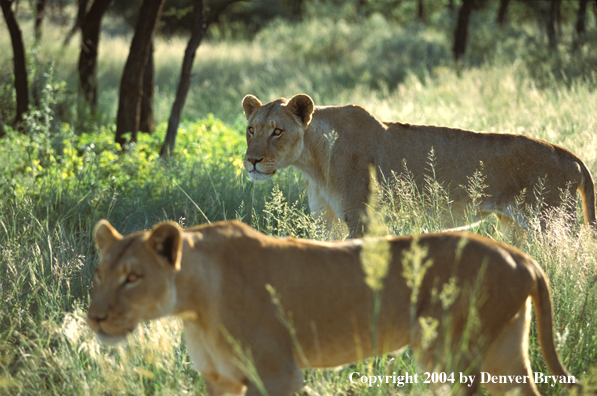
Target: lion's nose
[(96, 318), (254, 161)]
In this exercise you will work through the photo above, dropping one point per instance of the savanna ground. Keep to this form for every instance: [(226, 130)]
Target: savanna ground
[(57, 181)]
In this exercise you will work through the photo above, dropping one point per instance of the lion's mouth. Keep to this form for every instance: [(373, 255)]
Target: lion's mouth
[(109, 339), (260, 176)]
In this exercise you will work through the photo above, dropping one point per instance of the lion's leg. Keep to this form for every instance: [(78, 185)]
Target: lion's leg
[(220, 386), (322, 211), (453, 361), (276, 366), (333, 224), (354, 223), (556, 210), (509, 356), (506, 227), (514, 230), (466, 389), (285, 383)]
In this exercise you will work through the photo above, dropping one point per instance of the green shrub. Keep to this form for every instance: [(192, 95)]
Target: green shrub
[(65, 173)]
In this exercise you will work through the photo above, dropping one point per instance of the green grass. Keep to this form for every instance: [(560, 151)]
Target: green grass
[(66, 174)]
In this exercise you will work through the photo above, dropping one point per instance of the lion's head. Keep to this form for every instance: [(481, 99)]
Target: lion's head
[(135, 279), (275, 133)]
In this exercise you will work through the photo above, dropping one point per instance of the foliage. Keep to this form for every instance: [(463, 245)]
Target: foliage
[(332, 57), (241, 19), (70, 163), (65, 173), (57, 185)]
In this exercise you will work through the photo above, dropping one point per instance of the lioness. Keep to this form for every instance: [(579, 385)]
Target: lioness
[(334, 147), (215, 278)]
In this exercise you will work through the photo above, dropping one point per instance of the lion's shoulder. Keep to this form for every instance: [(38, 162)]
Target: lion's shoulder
[(347, 118), (228, 236), (228, 229)]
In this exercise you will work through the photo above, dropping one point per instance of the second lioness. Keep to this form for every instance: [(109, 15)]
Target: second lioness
[(335, 145)]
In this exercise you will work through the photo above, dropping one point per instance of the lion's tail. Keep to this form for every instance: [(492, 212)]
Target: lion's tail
[(587, 193), (586, 186), (542, 301)]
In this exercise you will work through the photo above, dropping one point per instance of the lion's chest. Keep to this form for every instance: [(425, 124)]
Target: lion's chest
[(322, 197)]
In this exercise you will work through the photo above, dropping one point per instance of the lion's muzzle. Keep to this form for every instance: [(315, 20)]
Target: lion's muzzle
[(255, 168)]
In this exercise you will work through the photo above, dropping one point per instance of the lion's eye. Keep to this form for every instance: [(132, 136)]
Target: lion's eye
[(277, 132), (251, 130), (132, 278)]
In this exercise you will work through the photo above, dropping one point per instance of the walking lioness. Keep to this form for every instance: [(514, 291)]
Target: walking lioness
[(221, 279), (334, 147)]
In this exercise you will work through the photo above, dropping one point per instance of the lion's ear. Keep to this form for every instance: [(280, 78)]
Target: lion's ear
[(250, 104), (105, 236), (301, 106), (166, 240)]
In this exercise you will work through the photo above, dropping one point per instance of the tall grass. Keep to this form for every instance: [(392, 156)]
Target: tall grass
[(61, 178)]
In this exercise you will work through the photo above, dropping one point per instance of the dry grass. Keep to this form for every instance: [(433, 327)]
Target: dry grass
[(46, 254)]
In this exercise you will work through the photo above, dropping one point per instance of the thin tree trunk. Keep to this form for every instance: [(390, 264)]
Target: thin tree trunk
[(131, 84), (39, 17), (461, 32), (502, 12), (81, 12), (360, 8), (200, 24), (197, 34), (87, 67), (553, 19), (421, 10), (147, 119), (20, 65), (581, 16)]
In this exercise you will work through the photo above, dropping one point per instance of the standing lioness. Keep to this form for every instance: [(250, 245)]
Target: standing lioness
[(334, 147), (475, 296)]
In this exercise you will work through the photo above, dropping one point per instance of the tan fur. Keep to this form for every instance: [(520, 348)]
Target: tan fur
[(337, 175), (214, 277)]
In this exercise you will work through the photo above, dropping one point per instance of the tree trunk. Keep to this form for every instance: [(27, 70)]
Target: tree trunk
[(39, 17), (147, 119), (131, 84), (421, 10), (90, 34), (200, 24), (81, 12), (461, 31), (580, 17), (199, 29), (502, 12), (553, 19), (20, 65)]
